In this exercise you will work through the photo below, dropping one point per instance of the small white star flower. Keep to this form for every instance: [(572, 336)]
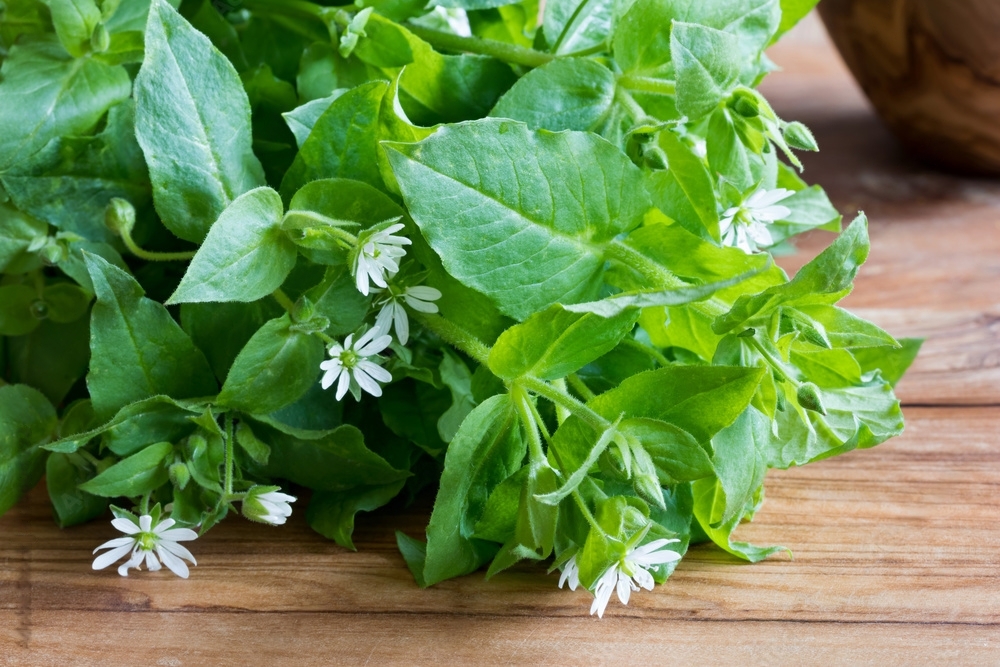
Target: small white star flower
[(393, 314), (146, 541), (378, 257), (745, 226), (631, 573), (268, 505), (351, 367)]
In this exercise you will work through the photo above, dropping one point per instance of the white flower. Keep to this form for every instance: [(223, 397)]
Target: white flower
[(378, 257), (630, 573), (268, 505), (143, 540), (418, 298), (570, 574), (745, 226), (350, 365)]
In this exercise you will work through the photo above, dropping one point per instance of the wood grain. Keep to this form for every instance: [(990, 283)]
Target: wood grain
[(897, 550)]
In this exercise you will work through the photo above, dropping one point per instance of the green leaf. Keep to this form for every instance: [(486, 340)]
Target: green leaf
[(255, 448), (27, 420), (565, 94), (414, 553), (793, 11), (343, 142), (193, 123), (66, 302), (16, 317), (739, 462), (487, 449), (74, 21), (220, 330), (554, 343), (302, 119), (685, 186), (337, 298), (63, 474), (273, 370), (829, 273), (137, 349), (675, 453), (702, 400), (332, 514), (708, 496), (44, 94), (520, 216), (638, 49), (571, 26), (71, 180), (17, 232), (843, 329), (335, 460), (52, 358), (245, 256), (891, 361), (707, 65), (140, 473)]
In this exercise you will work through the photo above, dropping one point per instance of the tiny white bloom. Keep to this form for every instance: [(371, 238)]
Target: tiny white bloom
[(351, 365), (745, 226), (631, 573), (570, 574), (145, 542), (268, 505), (393, 314), (378, 258)]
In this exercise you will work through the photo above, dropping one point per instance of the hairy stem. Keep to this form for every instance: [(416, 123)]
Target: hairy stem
[(509, 53), (455, 335), (646, 84), (151, 256)]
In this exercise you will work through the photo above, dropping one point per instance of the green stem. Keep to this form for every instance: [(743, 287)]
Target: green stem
[(144, 504), (283, 300), (509, 53), (634, 108), (776, 364), (229, 455), (560, 398), (535, 446), (151, 256), (580, 387), (646, 84), (333, 228), (455, 335), (581, 503), (287, 7)]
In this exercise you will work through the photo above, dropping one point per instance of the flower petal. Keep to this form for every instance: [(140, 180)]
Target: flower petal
[(109, 557), (176, 565), (178, 550), (125, 526), (152, 564), (179, 535), (423, 292), (366, 382), (115, 543), (375, 346), (401, 322), (145, 523), (624, 587), (163, 525), (344, 384), (376, 371), (132, 563)]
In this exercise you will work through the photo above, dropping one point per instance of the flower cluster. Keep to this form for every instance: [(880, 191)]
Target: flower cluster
[(746, 226)]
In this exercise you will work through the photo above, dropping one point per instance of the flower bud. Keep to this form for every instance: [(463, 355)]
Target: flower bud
[(745, 104), (119, 216), (645, 481), (100, 40), (304, 309), (809, 398), (798, 136), (266, 504), (179, 475)]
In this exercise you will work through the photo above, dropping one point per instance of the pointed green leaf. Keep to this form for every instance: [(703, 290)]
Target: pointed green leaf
[(140, 473), (193, 123)]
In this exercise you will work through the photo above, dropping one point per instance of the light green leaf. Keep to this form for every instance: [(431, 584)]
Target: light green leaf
[(518, 215), (739, 462), (193, 123), (140, 473), (44, 94), (342, 143), (275, 368), (685, 186), (709, 497), (137, 349), (487, 449), (302, 119), (245, 256), (829, 273), (793, 11), (891, 361), (577, 25), (565, 94), (707, 65), (702, 400), (74, 21), (554, 343), (17, 232)]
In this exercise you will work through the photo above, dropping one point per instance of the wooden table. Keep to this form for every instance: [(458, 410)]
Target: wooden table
[(897, 549)]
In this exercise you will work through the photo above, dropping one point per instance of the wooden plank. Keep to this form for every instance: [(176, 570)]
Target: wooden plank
[(896, 544)]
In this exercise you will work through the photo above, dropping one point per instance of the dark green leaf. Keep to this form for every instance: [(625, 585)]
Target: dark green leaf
[(27, 420), (140, 473), (332, 514)]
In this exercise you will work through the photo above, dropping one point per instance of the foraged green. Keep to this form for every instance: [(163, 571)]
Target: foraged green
[(534, 246)]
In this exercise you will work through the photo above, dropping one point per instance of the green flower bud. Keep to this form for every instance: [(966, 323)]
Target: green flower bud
[(303, 310), (798, 136), (266, 504), (119, 216), (100, 40), (179, 475), (745, 104), (809, 398)]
